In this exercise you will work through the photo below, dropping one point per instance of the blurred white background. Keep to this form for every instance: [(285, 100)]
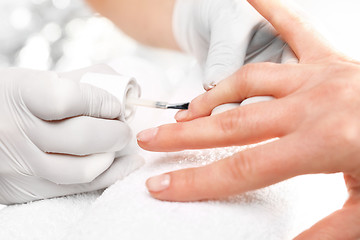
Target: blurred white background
[(65, 34), (57, 35), (338, 21)]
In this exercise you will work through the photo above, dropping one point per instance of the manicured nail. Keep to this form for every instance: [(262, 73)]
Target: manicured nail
[(147, 135), (181, 115), (158, 183)]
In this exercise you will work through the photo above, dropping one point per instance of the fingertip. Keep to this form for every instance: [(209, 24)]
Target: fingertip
[(147, 135), (158, 183), (209, 84), (199, 107), (180, 186), (168, 187), (182, 115)]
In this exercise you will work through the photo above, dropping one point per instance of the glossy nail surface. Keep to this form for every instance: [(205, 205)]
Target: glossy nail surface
[(181, 115), (147, 135), (158, 183)]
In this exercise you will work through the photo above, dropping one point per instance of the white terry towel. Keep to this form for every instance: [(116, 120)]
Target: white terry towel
[(126, 211)]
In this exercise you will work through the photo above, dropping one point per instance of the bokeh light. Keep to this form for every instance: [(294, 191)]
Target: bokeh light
[(20, 18), (61, 4), (35, 54), (52, 32), (57, 35)]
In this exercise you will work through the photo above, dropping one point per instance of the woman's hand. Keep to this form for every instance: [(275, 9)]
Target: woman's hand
[(315, 118)]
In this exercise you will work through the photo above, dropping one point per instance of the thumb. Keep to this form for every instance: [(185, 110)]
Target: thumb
[(342, 224)]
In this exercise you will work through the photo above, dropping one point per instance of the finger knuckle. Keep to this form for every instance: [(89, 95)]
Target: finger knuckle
[(230, 121), (190, 179), (334, 58), (244, 77), (245, 74), (337, 133), (348, 93), (343, 91), (335, 66), (240, 168), (347, 132)]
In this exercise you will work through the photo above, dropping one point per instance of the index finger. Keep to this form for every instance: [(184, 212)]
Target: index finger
[(243, 125), (295, 29)]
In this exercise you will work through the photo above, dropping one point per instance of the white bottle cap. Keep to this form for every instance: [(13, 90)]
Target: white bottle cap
[(120, 86)]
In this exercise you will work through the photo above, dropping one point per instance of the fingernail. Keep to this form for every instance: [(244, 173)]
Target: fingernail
[(147, 135), (181, 115), (158, 183)]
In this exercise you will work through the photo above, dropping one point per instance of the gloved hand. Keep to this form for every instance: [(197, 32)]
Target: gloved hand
[(58, 136), (224, 35)]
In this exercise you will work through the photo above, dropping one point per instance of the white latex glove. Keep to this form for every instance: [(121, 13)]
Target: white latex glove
[(58, 136), (224, 35)]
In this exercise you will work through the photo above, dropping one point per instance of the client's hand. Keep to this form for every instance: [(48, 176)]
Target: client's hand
[(315, 118)]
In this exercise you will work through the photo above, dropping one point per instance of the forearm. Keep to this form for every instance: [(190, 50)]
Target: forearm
[(148, 21)]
